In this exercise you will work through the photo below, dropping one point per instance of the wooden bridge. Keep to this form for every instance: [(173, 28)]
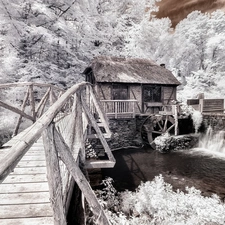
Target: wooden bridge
[(39, 165)]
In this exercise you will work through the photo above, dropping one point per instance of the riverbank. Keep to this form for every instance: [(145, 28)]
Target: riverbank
[(179, 168)]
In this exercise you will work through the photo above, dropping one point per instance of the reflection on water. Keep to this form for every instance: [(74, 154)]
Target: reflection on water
[(203, 167), (180, 169)]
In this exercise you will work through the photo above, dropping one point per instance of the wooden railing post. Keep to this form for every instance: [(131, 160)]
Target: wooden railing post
[(54, 176), (201, 105), (22, 109), (32, 102), (99, 109), (116, 109), (98, 131), (176, 119), (77, 144), (42, 103), (80, 179)]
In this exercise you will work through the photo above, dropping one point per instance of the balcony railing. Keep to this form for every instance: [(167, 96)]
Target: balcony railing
[(119, 108)]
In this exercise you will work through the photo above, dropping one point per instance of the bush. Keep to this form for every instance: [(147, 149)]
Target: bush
[(156, 203)]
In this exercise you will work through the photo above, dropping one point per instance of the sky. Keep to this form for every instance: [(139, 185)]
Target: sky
[(177, 10)]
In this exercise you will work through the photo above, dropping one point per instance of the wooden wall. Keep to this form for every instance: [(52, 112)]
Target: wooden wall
[(104, 91), (135, 92), (168, 94)]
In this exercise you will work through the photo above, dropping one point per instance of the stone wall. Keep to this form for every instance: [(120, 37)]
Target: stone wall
[(216, 121), (126, 133)]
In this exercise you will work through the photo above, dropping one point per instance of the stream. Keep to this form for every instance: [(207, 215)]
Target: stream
[(202, 167)]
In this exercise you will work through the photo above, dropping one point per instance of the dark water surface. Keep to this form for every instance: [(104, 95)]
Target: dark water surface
[(182, 168)]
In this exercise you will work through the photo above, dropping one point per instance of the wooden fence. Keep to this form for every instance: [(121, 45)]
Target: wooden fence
[(64, 127), (207, 105)]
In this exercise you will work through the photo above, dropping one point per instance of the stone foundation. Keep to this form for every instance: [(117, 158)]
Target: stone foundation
[(216, 121), (126, 133)]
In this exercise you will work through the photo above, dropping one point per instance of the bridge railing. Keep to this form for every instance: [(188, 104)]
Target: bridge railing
[(64, 130), (27, 100)]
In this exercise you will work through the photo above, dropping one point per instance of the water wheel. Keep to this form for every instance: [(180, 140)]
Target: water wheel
[(156, 125)]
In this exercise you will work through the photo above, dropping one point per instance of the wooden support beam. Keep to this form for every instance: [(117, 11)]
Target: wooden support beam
[(100, 110), (176, 119), (32, 102), (54, 176), (16, 110), (22, 84), (80, 179), (42, 102), (99, 164), (54, 98), (77, 144), (51, 97), (17, 151), (22, 109), (98, 131), (43, 105)]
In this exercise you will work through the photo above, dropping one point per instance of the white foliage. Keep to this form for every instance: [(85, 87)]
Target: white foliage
[(156, 203)]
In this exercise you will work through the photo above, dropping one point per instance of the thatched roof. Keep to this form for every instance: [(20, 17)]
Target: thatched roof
[(123, 70)]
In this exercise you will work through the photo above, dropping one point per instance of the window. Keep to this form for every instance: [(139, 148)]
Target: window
[(152, 94), (120, 92)]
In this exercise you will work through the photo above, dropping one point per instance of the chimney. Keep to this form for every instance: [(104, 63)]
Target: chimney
[(163, 65)]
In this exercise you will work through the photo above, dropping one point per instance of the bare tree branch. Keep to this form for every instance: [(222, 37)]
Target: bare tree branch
[(10, 17)]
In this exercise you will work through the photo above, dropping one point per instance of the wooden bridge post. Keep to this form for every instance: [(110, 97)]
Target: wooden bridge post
[(98, 131), (54, 176), (176, 119), (77, 142), (42, 103), (32, 102), (69, 161), (20, 116)]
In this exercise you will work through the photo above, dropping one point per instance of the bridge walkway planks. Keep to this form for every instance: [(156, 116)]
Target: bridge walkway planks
[(24, 194)]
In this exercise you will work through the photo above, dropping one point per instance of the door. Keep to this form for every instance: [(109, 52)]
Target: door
[(151, 97)]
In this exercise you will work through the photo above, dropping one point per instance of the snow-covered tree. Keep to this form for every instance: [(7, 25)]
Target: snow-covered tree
[(53, 41)]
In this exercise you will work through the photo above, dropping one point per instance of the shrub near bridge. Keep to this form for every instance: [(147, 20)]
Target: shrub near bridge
[(156, 203)]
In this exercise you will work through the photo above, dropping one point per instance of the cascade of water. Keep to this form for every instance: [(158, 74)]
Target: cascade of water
[(213, 141)]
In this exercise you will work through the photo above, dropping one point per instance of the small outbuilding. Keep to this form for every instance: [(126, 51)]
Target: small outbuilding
[(128, 86)]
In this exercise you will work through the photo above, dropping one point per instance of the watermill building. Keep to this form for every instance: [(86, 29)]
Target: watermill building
[(131, 88)]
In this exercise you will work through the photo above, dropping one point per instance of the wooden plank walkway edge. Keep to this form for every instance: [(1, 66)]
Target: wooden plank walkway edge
[(24, 194)]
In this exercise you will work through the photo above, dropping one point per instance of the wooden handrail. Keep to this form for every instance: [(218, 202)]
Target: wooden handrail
[(118, 100), (17, 151), (55, 144), (30, 108), (22, 84)]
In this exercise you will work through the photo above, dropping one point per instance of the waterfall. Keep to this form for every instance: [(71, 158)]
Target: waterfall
[(213, 141)]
